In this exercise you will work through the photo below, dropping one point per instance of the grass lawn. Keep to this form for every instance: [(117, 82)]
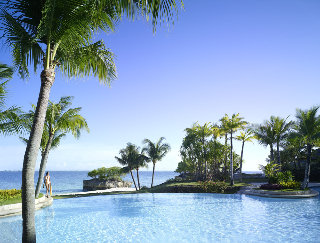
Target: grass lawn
[(13, 200), (167, 187)]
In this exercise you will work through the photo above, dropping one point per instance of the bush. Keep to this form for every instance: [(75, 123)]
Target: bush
[(9, 194), (290, 185), (103, 173), (214, 187)]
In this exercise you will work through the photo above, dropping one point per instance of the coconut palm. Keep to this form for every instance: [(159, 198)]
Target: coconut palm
[(127, 158), (307, 128), (224, 131), (281, 129), (140, 162), (245, 136), (266, 136), (57, 35), (232, 125), (60, 119), (155, 152)]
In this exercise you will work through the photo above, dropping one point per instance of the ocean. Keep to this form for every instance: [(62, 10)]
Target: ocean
[(71, 181)]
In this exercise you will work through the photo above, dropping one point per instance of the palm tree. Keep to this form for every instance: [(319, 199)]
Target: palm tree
[(10, 119), (155, 152), (232, 125), (281, 129), (266, 136), (246, 136), (58, 34), (308, 130), (224, 131), (59, 121), (127, 158), (140, 161)]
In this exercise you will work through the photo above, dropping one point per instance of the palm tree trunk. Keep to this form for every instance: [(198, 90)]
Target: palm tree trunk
[(271, 153), (307, 169), (241, 160), (138, 178), (231, 162), (278, 154), (154, 165), (226, 155), (43, 164), (134, 182), (30, 157)]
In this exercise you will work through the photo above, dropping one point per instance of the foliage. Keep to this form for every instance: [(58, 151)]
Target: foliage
[(270, 169), (290, 185), (214, 187), (9, 194), (10, 118), (103, 173)]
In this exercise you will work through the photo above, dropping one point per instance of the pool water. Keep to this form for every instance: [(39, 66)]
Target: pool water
[(173, 218)]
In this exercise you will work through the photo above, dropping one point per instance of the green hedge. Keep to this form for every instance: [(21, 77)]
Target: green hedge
[(9, 194)]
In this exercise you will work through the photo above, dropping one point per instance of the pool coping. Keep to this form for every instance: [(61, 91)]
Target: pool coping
[(117, 189), (16, 208)]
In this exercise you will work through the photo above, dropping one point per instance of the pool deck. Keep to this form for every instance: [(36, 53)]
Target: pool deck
[(16, 208), (119, 189)]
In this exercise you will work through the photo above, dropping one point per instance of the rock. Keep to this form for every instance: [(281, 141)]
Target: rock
[(96, 184)]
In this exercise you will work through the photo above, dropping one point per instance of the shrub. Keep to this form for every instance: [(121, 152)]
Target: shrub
[(290, 185), (9, 194), (214, 187), (103, 173)]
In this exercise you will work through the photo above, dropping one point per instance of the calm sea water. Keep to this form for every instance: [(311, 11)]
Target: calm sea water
[(71, 181)]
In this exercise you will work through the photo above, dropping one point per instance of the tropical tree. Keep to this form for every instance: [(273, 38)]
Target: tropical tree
[(281, 129), (10, 119), (245, 136), (133, 158), (224, 131), (127, 158), (60, 120), (155, 152), (57, 35), (234, 123), (266, 136), (307, 128)]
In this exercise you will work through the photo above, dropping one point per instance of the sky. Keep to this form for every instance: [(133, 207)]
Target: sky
[(256, 58)]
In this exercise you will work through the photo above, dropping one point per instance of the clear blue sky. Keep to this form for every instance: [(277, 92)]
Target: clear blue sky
[(258, 58)]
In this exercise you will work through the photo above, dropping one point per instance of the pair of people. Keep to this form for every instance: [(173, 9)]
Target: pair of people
[(47, 183)]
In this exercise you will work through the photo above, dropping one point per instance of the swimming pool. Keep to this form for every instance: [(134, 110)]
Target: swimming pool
[(173, 218)]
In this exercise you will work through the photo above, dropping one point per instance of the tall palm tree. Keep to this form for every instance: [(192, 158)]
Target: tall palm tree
[(10, 118), (308, 130), (60, 119), (224, 131), (245, 136), (266, 136), (232, 125), (281, 129), (127, 158), (58, 34), (155, 152)]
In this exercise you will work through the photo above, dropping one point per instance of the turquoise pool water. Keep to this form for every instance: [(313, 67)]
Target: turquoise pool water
[(173, 218)]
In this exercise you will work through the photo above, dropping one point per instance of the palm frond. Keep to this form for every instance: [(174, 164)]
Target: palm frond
[(25, 47), (91, 59)]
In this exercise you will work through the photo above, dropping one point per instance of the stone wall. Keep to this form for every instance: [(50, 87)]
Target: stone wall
[(96, 184)]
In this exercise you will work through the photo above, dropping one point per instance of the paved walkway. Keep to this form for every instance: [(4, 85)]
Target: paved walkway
[(15, 209), (119, 189)]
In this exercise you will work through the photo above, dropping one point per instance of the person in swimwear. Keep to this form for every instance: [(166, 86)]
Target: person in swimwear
[(47, 182)]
